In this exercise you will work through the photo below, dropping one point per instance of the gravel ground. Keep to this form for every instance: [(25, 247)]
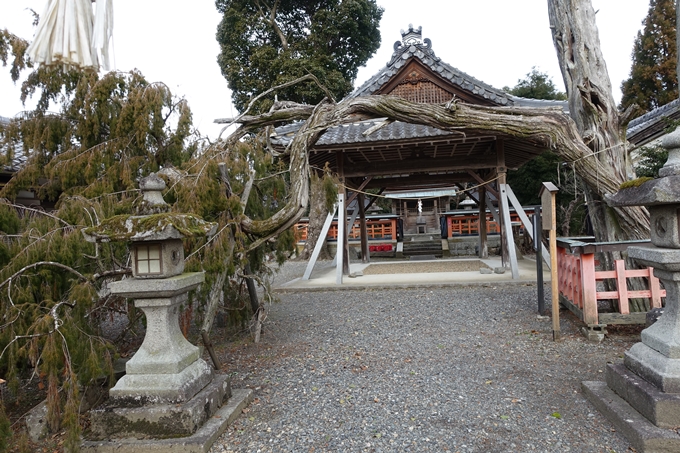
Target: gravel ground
[(424, 267), (466, 369)]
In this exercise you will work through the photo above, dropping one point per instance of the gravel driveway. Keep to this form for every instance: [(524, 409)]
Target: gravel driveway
[(465, 369)]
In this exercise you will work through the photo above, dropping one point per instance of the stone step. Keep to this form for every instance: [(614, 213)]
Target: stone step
[(640, 432)]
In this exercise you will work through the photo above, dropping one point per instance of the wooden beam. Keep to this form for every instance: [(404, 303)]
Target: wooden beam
[(482, 181), (360, 188), (419, 165)]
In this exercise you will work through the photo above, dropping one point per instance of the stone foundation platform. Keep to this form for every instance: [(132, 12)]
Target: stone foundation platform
[(198, 442)]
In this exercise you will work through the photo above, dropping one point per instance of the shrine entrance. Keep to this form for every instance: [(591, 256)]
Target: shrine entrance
[(373, 158)]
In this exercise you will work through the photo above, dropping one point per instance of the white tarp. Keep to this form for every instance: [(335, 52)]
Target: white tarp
[(70, 33)]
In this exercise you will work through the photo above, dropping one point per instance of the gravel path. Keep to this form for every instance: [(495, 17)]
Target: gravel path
[(466, 369)]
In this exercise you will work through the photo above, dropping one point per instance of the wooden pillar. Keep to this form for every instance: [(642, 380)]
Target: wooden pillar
[(501, 173), (365, 258), (342, 218), (483, 243)]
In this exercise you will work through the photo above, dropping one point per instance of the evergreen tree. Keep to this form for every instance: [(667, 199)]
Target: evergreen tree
[(86, 161), (653, 79), (265, 43), (536, 85)]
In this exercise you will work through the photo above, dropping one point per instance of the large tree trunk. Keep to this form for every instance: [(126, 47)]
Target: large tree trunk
[(317, 217), (594, 111)]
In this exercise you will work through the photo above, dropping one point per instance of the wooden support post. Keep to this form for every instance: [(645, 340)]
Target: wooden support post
[(589, 289), (654, 288), (525, 220), (342, 217), (507, 229), (548, 194), (621, 287), (341, 234), (365, 258), (345, 242), (483, 243), (319, 243)]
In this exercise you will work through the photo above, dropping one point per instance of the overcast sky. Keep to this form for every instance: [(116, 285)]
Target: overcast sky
[(496, 41)]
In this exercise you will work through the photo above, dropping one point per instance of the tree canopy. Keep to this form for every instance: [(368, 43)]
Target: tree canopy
[(266, 43), (653, 78), (536, 85)]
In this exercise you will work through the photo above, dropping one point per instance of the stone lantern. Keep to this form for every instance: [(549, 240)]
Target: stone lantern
[(168, 389), (642, 394)]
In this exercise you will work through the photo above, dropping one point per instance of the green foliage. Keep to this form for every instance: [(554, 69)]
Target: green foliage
[(264, 44), (536, 85), (87, 159), (653, 79), (14, 47), (651, 159)]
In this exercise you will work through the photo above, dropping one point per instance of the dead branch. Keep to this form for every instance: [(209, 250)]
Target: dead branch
[(44, 263)]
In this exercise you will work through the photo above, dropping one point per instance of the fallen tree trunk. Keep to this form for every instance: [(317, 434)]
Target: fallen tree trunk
[(549, 127)]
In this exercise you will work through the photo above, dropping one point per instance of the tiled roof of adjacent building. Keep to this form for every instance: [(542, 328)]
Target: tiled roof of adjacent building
[(413, 46), (651, 125), (18, 156)]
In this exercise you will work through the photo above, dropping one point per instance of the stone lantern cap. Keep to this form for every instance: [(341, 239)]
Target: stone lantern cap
[(654, 192), (153, 222), (149, 228), (155, 234)]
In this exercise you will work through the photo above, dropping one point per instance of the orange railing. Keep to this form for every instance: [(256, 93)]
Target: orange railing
[(375, 229), (469, 224), (578, 282)]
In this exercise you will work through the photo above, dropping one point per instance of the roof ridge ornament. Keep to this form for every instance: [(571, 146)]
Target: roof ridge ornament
[(411, 42), (412, 36)]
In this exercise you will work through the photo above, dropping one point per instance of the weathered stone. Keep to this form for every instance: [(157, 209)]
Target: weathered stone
[(485, 270), (159, 420), (652, 316), (672, 143), (199, 442), (36, 422), (157, 288), (499, 270), (661, 408), (651, 193)]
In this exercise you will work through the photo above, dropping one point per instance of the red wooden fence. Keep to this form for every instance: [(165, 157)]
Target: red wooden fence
[(375, 229), (577, 283)]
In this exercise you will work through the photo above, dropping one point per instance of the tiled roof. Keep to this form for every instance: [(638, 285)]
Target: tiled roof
[(18, 158), (353, 133), (411, 45), (651, 125)]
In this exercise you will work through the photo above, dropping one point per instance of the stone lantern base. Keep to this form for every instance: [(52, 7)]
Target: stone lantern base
[(169, 400), (641, 396)]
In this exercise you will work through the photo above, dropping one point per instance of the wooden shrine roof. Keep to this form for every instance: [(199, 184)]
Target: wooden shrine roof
[(402, 155)]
